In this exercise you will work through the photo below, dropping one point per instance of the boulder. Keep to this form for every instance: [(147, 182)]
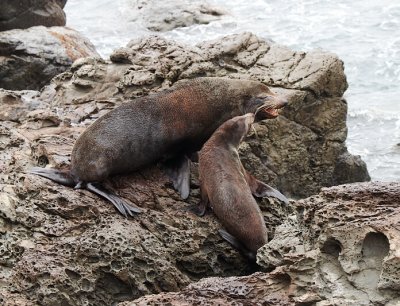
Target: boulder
[(162, 16), (23, 14), (300, 152), (30, 58), (60, 246), (339, 247)]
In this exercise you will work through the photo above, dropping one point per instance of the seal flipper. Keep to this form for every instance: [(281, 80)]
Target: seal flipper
[(58, 176), (123, 207), (203, 204), (178, 170), (261, 190), (65, 178), (237, 245)]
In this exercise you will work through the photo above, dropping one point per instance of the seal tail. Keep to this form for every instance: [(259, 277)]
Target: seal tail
[(58, 176)]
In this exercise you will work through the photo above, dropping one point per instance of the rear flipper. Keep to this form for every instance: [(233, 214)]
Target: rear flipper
[(237, 245), (58, 176), (123, 207), (262, 190), (178, 170)]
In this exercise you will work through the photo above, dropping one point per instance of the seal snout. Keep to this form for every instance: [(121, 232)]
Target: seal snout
[(269, 110), (282, 102)]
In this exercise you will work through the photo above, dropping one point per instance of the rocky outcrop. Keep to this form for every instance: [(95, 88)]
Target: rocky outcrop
[(30, 58), (299, 153), (342, 246), (23, 14), (338, 248), (60, 246), (162, 16)]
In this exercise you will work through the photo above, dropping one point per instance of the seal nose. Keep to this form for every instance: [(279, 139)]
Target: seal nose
[(283, 101)]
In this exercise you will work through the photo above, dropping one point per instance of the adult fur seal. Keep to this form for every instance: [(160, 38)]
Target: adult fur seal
[(228, 188), (167, 126)]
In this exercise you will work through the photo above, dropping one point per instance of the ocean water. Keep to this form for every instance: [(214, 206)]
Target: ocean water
[(365, 35)]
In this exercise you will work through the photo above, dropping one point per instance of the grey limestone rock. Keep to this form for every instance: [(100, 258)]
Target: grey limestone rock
[(30, 58), (162, 16), (339, 247), (300, 152), (60, 246), (23, 14)]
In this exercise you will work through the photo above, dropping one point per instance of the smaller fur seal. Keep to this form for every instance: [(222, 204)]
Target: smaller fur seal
[(228, 188)]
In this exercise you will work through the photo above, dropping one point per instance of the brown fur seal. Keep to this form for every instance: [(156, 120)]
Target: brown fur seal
[(228, 188), (166, 126)]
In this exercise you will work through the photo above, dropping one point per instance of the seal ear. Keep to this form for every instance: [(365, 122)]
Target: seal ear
[(178, 170)]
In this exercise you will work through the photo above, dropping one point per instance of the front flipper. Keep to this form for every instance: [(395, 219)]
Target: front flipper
[(262, 190), (178, 170), (204, 202), (123, 207), (237, 245)]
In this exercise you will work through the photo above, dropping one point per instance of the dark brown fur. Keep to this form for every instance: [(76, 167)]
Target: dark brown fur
[(162, 125), (172, 123), (226, 185)]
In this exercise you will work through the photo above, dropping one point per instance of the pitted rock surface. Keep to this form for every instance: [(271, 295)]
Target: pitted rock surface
[(342, 245), (61, 246), (256, 289), (24, 14), (339, 247), (30, 58)]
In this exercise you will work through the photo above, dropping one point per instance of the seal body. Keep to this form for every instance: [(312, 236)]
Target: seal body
[(224, 185), (163, 125), (166, 126)]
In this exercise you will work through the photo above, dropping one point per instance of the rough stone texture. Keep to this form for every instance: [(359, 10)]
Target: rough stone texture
[(162, 16), (256, 289), (60, 246), (30, 58), (23, 14), (343, 245), (299, 152), (337, 248)]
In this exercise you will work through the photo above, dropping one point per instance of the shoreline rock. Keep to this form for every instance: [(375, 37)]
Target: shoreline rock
[(338, 248), (61, 246), (30, 58), (163, 16), (24, 14), (302, 151)]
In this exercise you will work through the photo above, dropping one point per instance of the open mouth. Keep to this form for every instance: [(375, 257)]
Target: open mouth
[(269, 111)]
